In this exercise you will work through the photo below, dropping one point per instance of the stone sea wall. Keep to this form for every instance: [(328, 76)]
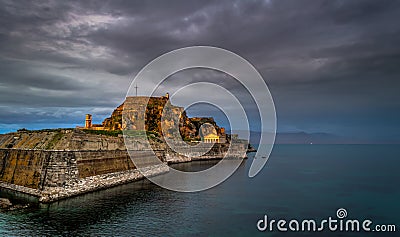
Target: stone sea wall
[(22, 167), (55, 174), (91, 163), (98, 182), (88, 184), (218, 151), (54, 168)]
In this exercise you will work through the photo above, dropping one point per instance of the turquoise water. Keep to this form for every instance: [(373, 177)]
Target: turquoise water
[(299, 181)]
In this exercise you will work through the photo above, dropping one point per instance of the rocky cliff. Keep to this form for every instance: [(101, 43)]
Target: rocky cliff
[(133, 108)]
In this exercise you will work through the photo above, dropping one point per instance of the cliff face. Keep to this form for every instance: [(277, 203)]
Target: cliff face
[(115, 121), (134, 108)]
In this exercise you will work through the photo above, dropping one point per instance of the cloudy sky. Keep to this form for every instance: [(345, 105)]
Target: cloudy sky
[(331, 66)]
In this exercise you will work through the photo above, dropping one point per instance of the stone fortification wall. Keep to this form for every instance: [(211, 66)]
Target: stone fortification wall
[(39, 169), (55, 174)]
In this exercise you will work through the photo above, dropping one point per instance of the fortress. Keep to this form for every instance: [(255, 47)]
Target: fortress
[(190, 129), (53, 164)]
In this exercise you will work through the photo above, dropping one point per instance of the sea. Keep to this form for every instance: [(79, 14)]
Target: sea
[(299, 182)]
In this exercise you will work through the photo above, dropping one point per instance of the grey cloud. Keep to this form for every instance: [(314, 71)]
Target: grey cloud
[(322, 59)]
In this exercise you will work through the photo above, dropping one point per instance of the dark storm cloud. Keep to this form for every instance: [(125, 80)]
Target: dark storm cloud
[(328, 63)]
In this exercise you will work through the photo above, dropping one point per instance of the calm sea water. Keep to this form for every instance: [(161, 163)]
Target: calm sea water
[(299, 181)]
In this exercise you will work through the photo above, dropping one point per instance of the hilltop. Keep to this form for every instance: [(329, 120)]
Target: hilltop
[(108, 135)]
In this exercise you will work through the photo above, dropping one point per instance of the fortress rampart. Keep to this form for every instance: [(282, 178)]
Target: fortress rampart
[(51, 175)]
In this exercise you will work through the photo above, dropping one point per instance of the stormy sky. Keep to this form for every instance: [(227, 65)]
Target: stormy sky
[(331, 66)]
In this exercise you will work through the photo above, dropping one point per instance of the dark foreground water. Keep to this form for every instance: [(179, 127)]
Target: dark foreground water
[(299, 182)]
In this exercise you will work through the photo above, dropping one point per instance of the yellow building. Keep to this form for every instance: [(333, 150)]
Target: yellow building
[(90, 125), (211, 138)]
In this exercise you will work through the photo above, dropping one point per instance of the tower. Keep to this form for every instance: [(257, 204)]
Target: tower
[(88, 121)]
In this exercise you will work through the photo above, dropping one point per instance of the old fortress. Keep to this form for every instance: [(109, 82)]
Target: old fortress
[(53, 164), (134, 107)]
